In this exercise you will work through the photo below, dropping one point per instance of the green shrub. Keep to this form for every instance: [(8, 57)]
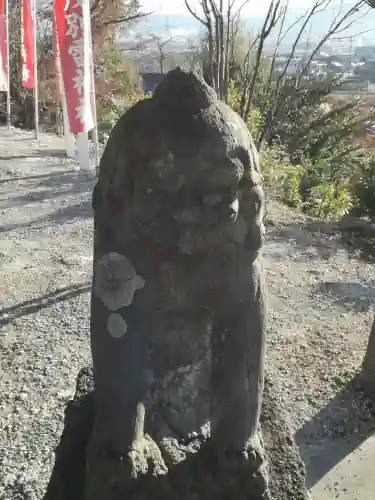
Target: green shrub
[(305, 186), (282, 179), (330, 200), (254, 120), (364, 188), (292, 184)]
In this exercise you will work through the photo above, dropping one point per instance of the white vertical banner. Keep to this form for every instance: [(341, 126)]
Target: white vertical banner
[(83, 149), (68, 136), (93, 104), (70, 147), (8, 61), (29, 54)]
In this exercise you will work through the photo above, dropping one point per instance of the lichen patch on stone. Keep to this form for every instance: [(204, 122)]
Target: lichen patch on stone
[(116, 281), (116, 325)]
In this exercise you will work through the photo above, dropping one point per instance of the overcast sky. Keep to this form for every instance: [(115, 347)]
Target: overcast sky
[(259, 7)]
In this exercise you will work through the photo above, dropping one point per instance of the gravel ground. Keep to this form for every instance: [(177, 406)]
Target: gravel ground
[(45, 271), (320, 294), (321, 298)]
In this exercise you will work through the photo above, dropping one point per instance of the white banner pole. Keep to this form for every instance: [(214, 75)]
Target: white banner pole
[(8, 61), (36, 96), (68, 136), (93, 104), (83, 151)]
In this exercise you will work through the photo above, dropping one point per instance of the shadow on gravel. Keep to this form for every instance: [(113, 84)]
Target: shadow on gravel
[(59, 217), (349, 295), (42, 153), (323, 238), (336, 431), (47, 187), (53, 185), (302, 242), (7, 314), (69, 185), (52, 175)]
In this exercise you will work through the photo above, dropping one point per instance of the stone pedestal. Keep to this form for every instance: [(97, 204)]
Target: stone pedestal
[(195, 476)]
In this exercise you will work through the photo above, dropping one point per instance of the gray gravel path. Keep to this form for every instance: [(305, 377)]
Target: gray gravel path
[(45, 272)]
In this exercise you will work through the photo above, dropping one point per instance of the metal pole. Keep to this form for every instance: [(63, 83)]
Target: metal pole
[(36, 96), (8, 61)]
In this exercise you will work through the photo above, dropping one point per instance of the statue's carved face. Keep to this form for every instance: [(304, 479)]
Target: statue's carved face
[(192, 196)]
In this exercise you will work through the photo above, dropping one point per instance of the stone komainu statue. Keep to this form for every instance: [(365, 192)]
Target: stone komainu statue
[(178, 303)]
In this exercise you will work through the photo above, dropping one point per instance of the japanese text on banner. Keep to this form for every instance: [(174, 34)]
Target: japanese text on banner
[(72, 20), (27, 40)]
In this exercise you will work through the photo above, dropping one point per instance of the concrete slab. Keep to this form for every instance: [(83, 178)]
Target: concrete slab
[(353, 478)]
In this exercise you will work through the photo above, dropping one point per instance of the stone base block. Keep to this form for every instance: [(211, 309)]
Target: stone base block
[(199, 477)]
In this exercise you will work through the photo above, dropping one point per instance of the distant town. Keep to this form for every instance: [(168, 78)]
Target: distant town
[(351, 55), (354, 64)]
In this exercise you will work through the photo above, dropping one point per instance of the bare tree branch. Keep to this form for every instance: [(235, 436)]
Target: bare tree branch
[(194, 14), (274, 14), (127, 19), (336, 27)]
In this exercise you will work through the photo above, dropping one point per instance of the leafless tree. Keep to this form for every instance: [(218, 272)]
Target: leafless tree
[(275, 12), (221, 26), (162, 43), (219, 18), (158, 42), (116, 12)]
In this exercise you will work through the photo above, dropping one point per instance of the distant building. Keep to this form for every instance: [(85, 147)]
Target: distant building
[(366, 71), (293, 65)]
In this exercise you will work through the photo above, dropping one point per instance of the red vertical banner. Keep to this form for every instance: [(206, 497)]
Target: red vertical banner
[(27, 48), (73, 53), (3, 49)]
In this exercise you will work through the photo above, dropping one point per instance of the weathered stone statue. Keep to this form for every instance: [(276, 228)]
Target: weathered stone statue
[(178, 306)]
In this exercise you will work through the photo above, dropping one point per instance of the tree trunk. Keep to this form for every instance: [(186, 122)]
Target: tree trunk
[(368, 366)]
